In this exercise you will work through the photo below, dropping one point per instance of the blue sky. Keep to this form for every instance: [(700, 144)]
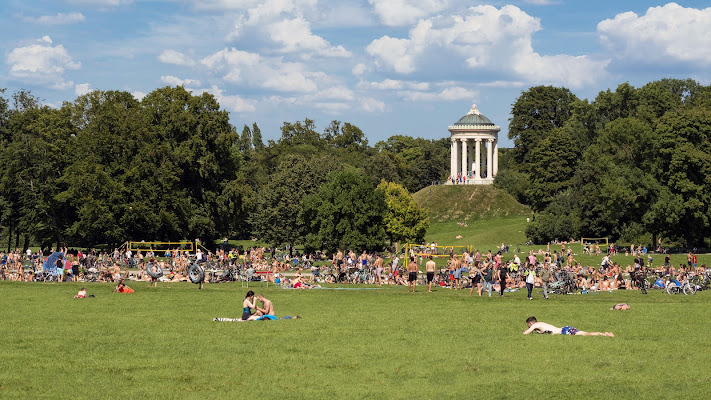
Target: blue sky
[(387, 66)]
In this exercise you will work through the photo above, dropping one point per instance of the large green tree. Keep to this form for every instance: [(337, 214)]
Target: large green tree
[(34, 158), (346, 213), (551, 168), (405, 221), (276, 218), (534, 115), (683, 209)]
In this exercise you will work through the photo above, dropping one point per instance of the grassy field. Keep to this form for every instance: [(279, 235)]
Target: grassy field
[(382, 344)]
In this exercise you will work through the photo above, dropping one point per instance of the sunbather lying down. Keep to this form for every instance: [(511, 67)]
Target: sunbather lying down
[(621, 306), (542, 327)]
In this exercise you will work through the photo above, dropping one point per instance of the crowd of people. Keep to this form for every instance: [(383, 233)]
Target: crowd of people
[(480, 272)]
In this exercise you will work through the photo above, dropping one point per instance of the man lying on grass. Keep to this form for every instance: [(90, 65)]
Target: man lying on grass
[(542, 327)]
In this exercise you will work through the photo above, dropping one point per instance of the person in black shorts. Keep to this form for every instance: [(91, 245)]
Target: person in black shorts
[(430, 267), (411, 275), (475, 277), (503, 271)]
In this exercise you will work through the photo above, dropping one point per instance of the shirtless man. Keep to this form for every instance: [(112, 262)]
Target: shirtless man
[(116, 272), (621, 306), (430, 267), (378, 265), (457, 273), (542, 327), (411, 275), (267, 306), (338, 258)]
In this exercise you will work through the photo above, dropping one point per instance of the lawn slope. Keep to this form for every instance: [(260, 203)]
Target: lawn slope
[(481, 214)]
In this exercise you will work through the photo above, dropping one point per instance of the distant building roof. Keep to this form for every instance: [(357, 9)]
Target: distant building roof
[(473, 117)]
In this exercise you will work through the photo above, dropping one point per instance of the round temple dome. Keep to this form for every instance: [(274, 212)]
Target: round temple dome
[(474, 117)]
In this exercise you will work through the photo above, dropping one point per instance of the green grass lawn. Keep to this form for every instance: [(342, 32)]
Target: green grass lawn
[(383, 344)]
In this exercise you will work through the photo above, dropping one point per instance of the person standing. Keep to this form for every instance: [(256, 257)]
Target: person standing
[(487, 274), (60, 269), (430, 269), (530, 279), (378, 265), (411, 275), (503, 270), (475, 276), (545, 276), (457, 274)]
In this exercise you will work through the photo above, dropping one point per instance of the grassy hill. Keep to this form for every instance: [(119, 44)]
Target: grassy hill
[(483, 215)]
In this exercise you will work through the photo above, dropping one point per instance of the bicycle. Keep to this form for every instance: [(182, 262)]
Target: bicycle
[(674, 287), (702, 282)]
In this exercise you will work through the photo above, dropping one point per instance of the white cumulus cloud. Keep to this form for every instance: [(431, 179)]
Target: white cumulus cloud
[(335, 93), (447, 94), (138, 95), (59, 19), (82, 89), (231, 102), (665, 33), (173, 81), (370, 104), (42, 63), (175, 58), (405, 12), (269, 73), (295, 36), (394, 84), (485, 39)]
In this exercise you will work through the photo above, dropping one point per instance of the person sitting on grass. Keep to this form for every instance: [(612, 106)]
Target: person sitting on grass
[(621, 306), (81, 294), (247, 305), (542, 327), (267, 306), (297, 283), (177, 277), (604, 284), (122, 288)]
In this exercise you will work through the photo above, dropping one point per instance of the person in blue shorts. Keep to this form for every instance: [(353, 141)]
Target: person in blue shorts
[(542, 327)]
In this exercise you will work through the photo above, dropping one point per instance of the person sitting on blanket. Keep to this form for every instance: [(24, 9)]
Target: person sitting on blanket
[(267, 306)]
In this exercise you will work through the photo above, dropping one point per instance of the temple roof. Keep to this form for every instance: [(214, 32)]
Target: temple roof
[(474, 117)]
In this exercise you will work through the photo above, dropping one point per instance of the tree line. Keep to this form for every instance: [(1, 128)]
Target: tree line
[(634, 164), (106, 168)]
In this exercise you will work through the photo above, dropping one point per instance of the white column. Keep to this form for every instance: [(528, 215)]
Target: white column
[(477, 159), (465, 159), (459, 156), (496, 157), (470, 156), (489, 157), (453, 165)]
